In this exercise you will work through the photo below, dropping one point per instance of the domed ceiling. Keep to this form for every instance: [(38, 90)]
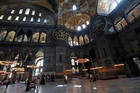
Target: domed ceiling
[(75, 15), (69, 20)]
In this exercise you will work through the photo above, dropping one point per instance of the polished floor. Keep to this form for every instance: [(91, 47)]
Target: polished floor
[(128, 85)]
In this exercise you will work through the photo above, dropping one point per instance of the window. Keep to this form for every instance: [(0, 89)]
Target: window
[(24, 19), (20, 11), (33, 12), (72, 62), (32, 19), (1, 17), (79, 28), (40, 14), (38, 20), (75, 41), (107, 6), (39, 69), (45, 21), (17, 18), (70, 41), (113, 6), (40, 63), (83, 26), (27, 11), (87, 22), (9, 18), (13, 11), (118, 1), (73, 70)]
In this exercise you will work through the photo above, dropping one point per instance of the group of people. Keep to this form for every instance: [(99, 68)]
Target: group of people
[(50, 77), (40, 80)]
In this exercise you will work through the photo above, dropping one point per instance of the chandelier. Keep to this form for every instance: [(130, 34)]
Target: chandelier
[(8, 63), (82, 60), (32, 66), (18, 69)]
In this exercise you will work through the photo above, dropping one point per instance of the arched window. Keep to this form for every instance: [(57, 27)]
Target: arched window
[(9, 18), (70, 41), (32, 19), (17, 18), (1, 17), (38, 20), (3, 34), (11, 36), (33, 12), (20, 11), (72, 62), (75, 41), (40, 67), (45, 21), (40, 14), (27, 11), (86, 39), (13, 11), (24, 19), (81, 40), (43, 37), (35, 37)]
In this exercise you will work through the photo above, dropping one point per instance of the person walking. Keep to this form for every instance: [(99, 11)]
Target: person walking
[(65, 79), (37, 83), (28, 85), (7, 83), (91, 77)]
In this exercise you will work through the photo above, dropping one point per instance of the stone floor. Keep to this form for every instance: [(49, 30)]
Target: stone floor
[(128, 85)]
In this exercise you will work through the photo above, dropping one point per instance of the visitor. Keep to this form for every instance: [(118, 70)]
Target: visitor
[(65, 79), (1, 83), (7, 83), (52, 77), (91, 77), (28, 85), (42, 81), (37, 83)]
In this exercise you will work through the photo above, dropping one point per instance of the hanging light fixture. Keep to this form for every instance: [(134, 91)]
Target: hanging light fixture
[(32, 66), (18, 69), (7, 63)]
